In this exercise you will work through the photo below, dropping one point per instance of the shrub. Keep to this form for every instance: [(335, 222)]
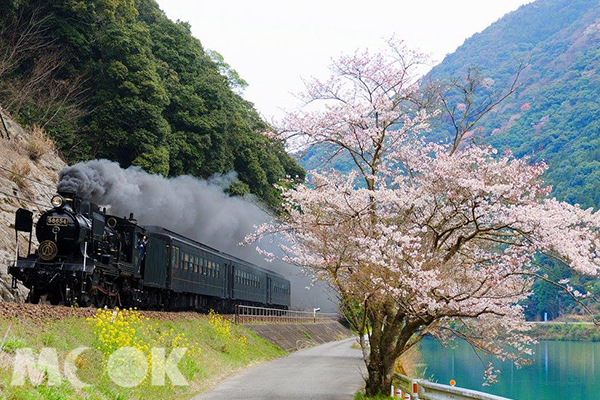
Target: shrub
[(223, 328), (115, 329), (19, 171), (39, 143)]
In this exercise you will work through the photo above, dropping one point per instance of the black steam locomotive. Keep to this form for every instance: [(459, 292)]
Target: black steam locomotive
[(87, 257)]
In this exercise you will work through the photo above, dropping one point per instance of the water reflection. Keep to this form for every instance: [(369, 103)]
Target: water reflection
[(560, 370)]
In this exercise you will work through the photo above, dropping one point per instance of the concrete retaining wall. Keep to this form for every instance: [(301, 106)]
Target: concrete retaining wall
[(292, 337)]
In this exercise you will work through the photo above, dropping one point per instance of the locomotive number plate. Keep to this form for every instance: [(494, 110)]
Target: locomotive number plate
[(57, 221)]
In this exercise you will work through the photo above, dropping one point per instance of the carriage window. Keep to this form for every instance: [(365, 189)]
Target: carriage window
[(175, 256)]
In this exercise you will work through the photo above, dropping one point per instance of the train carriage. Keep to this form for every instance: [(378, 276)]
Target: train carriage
[(122, 263)]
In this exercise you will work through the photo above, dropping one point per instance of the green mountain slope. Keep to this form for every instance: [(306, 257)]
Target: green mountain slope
[(121, 81), (555, 115)]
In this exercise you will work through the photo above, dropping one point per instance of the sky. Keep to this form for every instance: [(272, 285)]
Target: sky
[(273, 44)]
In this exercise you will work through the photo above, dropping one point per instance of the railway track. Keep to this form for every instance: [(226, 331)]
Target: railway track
[(253, 315)]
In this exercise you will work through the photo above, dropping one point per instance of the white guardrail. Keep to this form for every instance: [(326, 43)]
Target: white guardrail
[(251, 314), (421, 389)]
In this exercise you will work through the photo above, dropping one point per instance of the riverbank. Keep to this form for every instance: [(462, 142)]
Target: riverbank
[(580, 331), (215, 349)]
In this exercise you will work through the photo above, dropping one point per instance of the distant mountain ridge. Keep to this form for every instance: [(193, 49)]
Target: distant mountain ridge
[(555, 114)]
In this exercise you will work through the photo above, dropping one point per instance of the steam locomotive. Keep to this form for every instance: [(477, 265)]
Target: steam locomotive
[(87, 257)]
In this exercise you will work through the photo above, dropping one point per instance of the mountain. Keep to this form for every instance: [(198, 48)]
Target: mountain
[(117, 79), (555, 115)]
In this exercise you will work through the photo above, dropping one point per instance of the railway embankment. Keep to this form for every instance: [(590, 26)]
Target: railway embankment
[(215, 348)]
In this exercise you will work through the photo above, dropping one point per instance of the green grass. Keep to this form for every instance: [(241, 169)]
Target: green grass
[(12, 344), (362, 396), (220, 356)]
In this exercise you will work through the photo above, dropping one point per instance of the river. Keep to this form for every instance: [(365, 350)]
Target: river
[(561, 370)]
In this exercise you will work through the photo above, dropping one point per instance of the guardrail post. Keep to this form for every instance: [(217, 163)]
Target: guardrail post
[(415, 390)]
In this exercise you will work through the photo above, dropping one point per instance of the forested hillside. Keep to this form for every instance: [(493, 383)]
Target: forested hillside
[(555, 114), (117, 79)]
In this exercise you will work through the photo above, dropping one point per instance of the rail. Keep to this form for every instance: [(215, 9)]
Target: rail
[(422, 389), (251, 314)]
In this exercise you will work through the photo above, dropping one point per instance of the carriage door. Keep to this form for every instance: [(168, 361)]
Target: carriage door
[(226, 280), (269, 290), (230, 278)]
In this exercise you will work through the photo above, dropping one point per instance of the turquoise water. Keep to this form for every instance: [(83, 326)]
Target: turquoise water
[(561, 370)]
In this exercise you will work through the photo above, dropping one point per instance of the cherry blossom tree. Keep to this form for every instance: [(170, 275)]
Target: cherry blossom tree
[(421, 238)]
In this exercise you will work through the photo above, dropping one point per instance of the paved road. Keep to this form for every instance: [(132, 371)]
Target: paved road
[(333, 371)]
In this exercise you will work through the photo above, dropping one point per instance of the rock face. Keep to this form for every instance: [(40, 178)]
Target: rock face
[(29, 167)]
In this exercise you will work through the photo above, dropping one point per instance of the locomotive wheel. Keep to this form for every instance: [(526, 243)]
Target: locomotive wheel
[(112, 301), (100, 299), (86, 297), (85, 300), (33, 297)]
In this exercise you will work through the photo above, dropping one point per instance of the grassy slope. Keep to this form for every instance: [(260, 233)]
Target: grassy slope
[(219, 357)]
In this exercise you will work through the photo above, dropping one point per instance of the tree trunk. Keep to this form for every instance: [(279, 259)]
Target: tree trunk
[(391, 331), (380, 374)]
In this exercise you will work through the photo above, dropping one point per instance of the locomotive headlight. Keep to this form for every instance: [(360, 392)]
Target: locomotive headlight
[(57, 201)]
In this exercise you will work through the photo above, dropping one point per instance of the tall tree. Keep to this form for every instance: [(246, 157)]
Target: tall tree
[(154, 97), (422, 238)]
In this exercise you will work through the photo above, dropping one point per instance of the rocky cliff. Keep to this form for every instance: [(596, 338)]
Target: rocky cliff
[(29, 166)]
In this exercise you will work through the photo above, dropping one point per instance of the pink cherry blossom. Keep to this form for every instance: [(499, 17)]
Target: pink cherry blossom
[(420, 239)]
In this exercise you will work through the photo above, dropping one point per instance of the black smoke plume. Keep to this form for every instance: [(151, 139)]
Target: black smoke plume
[(196, 208)]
